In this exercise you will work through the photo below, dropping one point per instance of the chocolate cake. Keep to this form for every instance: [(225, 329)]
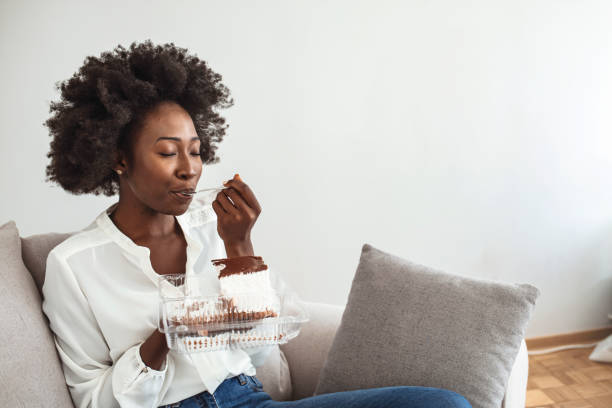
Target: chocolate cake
[(246, 282), (246, 294)]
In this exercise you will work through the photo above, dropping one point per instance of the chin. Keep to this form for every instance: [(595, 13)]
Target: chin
[(176, 207), (177, 210), (171, 208)]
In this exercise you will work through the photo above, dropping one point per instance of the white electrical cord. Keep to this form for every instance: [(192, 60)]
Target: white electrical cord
[(569, 346)]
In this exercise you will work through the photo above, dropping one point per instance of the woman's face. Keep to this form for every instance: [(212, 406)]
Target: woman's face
[(165, 160)]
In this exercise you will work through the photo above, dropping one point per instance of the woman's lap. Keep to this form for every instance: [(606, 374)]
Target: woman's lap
[(244, 391)]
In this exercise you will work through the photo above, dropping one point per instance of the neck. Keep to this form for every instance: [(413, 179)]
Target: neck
[(143, 224)]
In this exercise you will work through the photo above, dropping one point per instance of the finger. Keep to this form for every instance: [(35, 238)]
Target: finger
[(236, 177), (246, 193), (226, 203), (239, 201), (218, 208)]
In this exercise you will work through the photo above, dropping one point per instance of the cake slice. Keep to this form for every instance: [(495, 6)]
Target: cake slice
[(245, 282)]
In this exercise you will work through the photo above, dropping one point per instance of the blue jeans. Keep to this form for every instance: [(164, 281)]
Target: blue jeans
[(245, 391)]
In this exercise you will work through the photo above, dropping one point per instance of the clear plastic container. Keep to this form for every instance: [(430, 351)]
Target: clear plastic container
[(193, 322)]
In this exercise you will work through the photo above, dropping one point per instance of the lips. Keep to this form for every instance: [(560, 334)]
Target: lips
[(183, 190), (183, 195)]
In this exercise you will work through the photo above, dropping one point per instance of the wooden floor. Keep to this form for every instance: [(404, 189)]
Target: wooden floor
[(568, 379)]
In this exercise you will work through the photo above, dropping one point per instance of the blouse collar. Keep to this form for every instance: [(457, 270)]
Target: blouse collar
[(141, 254)]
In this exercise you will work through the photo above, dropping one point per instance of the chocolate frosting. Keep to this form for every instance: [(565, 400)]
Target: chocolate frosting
[(240, 264)]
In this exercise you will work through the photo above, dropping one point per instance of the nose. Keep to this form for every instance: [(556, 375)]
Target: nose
[(188, 167)]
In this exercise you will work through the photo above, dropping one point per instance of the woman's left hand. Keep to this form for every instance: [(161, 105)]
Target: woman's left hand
[(235, 220)]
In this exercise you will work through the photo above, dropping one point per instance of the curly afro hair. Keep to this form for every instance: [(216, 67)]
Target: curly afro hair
[(106, 100)]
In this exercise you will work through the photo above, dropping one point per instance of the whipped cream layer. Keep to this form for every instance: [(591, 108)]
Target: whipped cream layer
[(246, 280), (250, 292)]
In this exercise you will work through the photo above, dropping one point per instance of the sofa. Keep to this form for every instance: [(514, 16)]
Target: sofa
[(292, 374)]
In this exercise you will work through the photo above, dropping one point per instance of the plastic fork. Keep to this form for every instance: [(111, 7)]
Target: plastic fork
[(210, 189)]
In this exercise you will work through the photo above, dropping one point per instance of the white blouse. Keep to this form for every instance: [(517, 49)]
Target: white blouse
[(101, 298)]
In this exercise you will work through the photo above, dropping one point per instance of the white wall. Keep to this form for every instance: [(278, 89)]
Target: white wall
[(471, 136)]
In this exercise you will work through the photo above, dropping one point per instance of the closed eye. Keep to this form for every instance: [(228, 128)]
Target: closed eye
[(172, 154)]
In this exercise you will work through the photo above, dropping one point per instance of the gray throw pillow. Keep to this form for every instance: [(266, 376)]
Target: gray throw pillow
[(407, 324), (30, 370)]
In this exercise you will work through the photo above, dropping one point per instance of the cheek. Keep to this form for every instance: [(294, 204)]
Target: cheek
[(154, 174)]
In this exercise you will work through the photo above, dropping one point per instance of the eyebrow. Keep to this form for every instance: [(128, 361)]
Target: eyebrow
[(174, 138)]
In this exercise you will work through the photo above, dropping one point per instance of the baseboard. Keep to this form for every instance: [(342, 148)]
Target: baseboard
[(581, 337)]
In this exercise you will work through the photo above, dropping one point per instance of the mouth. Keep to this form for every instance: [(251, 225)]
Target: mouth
[(185, 194)]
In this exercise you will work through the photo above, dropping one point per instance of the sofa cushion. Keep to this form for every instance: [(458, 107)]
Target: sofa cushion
[(31, 374), (307, 352), (35, 249), (407, 324), (275, 377)]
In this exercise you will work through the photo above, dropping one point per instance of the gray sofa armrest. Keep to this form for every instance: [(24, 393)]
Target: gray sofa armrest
[(306, 355), (307, 352)]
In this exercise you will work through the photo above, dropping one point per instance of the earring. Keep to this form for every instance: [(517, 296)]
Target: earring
[(119, 172)]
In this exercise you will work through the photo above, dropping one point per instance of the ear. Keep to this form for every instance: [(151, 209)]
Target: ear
[(120, 162)]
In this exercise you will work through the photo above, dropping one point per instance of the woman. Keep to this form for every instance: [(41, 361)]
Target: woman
[(141, 122)]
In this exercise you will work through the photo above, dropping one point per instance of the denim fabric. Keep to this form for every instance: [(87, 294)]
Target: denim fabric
[(245, 391)]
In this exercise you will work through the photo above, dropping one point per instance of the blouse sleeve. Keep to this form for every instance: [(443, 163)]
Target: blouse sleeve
[(92, 378)]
